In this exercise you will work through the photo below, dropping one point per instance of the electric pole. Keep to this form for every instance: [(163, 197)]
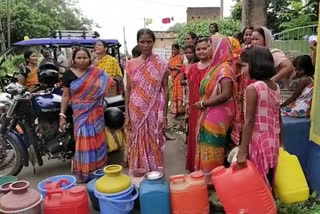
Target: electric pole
[(221, 8)]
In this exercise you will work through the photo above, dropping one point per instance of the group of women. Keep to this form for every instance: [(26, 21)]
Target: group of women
[(231, 92), (223, 109)]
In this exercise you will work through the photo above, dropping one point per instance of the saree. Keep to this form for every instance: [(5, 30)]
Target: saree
[(146, 115), (87, 94), (110, 65), (215, 121), (177, 92)]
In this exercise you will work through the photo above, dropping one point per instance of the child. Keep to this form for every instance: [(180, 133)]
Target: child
[(299, 104), (175, 63), (261, 131), (190, 54)]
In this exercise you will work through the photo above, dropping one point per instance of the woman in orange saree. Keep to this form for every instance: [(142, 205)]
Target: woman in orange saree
[(175, 63)]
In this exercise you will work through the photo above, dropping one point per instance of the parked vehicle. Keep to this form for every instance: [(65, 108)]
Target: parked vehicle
[(30, 124)]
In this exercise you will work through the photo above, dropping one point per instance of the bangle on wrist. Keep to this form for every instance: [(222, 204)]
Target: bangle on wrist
[(201, 104), (62, 115)]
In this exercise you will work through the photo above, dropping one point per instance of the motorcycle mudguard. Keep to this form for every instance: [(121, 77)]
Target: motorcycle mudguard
[(21, 146)]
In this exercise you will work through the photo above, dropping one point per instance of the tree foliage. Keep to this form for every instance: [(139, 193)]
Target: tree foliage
[(236, 11), (227, 27), (38, 18), (177, 27), (288, 14), (285, 14)]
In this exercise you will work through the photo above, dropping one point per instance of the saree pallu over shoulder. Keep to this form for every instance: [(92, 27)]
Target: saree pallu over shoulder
[(216, 120), (87, 94), (146, 112)]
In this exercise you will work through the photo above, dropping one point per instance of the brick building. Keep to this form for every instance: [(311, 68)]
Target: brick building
[(164, 40), (195, 13)]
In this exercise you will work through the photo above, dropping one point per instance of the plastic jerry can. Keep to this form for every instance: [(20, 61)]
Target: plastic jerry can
[(154, 194), (189, 194), (243, 189), (290, 183), (69, 201)]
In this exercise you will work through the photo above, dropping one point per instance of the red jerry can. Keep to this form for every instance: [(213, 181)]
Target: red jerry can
[(243, 190), (68, 201)]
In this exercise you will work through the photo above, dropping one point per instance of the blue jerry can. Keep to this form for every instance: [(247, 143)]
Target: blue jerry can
[(154, 194)]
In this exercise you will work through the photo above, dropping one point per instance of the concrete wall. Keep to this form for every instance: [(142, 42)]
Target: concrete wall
[(195, 13), (164, 40)]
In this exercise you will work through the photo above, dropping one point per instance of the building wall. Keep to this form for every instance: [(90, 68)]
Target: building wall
[(195, 13), (164, 40)]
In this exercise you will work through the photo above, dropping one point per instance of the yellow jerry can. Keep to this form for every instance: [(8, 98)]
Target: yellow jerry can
[(290, 183)]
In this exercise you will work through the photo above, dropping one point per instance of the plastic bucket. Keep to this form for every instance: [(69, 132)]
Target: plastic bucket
[(6, 179), (72, 182), (90, 187), (118, 203)]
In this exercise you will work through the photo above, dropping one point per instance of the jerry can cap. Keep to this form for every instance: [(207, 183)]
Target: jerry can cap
[(197, 175), (154, 175)]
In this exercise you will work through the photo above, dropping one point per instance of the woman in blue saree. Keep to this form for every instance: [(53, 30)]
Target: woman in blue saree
[(85, 86)]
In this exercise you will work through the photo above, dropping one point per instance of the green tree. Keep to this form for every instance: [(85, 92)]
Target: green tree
[(236, 11), (38, 18), (285, 14), (177, 27), (227, 27)]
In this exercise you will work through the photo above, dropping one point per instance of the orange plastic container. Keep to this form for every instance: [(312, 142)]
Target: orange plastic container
[(243, 189), (189, 194)]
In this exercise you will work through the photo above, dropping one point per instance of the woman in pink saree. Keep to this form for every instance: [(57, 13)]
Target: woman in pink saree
[(146, 106)]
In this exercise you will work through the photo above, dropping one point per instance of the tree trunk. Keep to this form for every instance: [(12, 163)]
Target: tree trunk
[(2, 39), (254, 13)]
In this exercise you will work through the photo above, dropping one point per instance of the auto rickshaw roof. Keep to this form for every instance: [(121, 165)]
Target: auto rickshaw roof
[(64, 41)]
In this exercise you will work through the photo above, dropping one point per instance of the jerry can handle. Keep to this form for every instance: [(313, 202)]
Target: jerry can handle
[(178, 179), (235, 168), (62, 181), (51, 192)]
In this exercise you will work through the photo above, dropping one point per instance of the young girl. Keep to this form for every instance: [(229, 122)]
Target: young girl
[(195, 74), (299, 104), (190, 54), (261, 131), (175, 63)]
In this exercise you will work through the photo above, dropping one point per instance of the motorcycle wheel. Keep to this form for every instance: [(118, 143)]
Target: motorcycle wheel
[(10, 157)]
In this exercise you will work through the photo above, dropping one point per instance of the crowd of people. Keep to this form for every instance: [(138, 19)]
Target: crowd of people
[(232, 86), (228, 88)]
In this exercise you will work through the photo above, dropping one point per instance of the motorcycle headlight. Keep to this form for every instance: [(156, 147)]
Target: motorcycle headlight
[(4, 107)]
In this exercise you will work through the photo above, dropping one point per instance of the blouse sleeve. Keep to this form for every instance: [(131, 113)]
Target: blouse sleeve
[(66, 79), (116, 67), (278, 57)]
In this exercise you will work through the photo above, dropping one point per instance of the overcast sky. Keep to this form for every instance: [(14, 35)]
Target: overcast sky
[(113, 15)]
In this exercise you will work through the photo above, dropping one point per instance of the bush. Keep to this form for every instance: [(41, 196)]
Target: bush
[(227, 27), (311, 206), (11, 65)]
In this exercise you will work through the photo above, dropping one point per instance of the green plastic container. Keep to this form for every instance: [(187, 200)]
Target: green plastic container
[(6, 179)]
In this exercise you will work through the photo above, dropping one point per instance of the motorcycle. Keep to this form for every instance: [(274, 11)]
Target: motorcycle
[(30, 125)]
